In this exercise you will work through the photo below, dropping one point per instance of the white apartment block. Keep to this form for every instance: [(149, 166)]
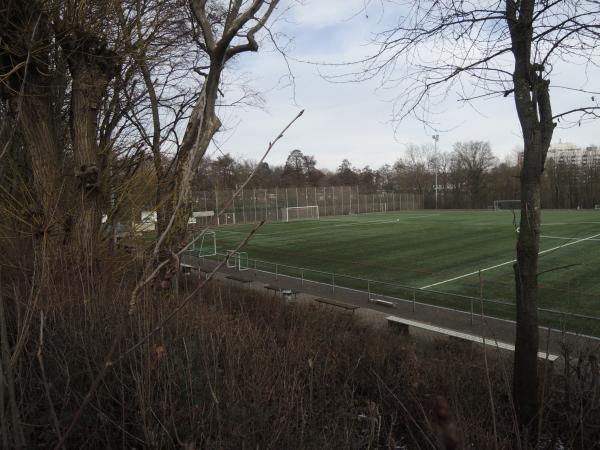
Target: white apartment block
[(569, 153)]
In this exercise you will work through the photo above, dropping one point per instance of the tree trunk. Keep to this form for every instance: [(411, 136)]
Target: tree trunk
[(90, 167), (25, 58), (92, 66), (525, 378), (532, 101), (39, 135), (202, 126)]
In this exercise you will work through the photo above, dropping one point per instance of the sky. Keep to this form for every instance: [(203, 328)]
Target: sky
[(354, 120)]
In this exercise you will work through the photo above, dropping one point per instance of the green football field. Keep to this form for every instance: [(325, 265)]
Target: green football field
[(440, 252)]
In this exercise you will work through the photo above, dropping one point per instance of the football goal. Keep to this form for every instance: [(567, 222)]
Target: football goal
[(237, 260), (596, 206), (226, 219), (205, 244), (507, 205), (299, 213)]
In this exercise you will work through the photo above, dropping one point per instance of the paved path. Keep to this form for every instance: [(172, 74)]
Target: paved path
[(500, 329)]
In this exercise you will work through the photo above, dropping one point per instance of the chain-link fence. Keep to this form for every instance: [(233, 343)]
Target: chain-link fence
[(253, 205), (330, 284)]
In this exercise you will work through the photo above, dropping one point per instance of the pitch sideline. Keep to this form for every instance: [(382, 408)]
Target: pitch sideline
[(589, 238)]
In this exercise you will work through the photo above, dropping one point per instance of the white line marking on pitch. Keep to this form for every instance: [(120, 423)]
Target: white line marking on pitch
[(564, 238), (343, 223), (568, 223), (510, 262)]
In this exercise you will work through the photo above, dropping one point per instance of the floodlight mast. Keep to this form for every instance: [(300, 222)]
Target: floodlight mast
[(436, 138)]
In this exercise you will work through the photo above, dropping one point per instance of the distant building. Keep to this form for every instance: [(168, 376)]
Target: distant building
[(569, 153)]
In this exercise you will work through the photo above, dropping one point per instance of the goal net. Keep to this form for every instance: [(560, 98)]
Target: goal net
[(507, 205), (237, 260), (299, 213), (205, 244), (226, 219)]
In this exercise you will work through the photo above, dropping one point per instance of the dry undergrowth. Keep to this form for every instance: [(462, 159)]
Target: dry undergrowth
[(237, 369)]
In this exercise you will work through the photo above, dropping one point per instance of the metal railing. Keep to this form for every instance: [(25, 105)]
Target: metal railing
[(324, 283)]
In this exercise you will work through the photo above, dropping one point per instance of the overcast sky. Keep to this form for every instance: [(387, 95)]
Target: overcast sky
[(353, 120)]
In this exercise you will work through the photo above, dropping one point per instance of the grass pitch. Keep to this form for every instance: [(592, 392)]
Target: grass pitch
[(440, 251)]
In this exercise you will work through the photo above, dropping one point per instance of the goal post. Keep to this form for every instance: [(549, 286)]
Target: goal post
[(205, 244), (232, 259), (243, 261), (237, 260), (300, 213), (226, 219), (507, 205)]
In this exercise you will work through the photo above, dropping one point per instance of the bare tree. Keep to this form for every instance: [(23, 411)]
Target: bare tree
[(473, 159), (84, 32), (27, 62), (469, 47), (158, 40), (223, 33), (57, 57), (415, 166)]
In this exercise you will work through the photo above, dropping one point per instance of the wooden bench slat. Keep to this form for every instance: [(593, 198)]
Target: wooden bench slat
[(382, 302), (327, 301), (241, 280)]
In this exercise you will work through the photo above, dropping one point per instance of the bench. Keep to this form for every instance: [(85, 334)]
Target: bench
[(381, 302), (270, 287), (403, 325), (238, 279), (187, 268), (346, 306), (286, 293), (289, 294)]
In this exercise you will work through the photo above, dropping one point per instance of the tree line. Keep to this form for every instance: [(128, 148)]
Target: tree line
[(469, 175)]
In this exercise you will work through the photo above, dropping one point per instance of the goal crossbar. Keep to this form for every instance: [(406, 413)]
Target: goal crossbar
[(507, 205), (310, 212), (237, 260), (205, 244)]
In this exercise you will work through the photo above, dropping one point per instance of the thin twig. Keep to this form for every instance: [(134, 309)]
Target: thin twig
[(407, 412), (21, 91), (8, 378), (271, 145), (187, 299), (45, 379)]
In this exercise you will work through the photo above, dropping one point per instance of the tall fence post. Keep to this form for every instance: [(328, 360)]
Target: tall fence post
[(333, 282), (302, 278), (471, 311), (276, 272), (369, 288), (414, 299), (276, 204), (254, 200)]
